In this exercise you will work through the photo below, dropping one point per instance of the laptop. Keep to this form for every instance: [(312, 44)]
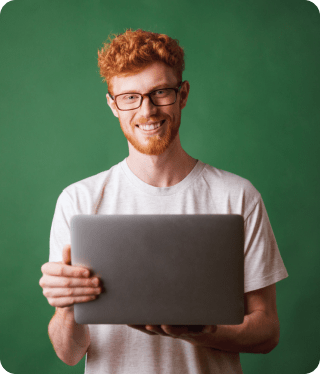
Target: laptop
[(162, 269)]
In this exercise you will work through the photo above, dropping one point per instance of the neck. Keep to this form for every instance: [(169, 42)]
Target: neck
[(164, 170)]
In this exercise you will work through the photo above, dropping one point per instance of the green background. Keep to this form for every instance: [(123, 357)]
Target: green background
[(253, 110)]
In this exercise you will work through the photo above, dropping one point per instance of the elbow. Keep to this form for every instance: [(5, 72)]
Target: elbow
[(66, 360), (273, 338), (70, 363), (270, 348), (69, 360), (271, 344)]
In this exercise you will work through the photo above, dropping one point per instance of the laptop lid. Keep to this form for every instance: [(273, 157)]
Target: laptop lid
[(162, 269)]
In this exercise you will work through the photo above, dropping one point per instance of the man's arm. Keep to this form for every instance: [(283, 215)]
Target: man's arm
[(65, 285), (69, 339), (259, 332)]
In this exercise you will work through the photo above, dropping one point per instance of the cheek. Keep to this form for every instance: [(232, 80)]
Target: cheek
[(174, 116), (126, 120), (170, 116)]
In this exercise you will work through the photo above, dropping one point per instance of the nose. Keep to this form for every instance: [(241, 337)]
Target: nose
[(147, 108)]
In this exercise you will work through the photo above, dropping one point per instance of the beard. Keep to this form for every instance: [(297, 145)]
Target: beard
[(153, 144)]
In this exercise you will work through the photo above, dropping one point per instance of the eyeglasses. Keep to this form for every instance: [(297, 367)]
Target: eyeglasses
[(158, 97)]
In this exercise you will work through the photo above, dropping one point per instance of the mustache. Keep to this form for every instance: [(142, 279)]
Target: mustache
[(143, 120)]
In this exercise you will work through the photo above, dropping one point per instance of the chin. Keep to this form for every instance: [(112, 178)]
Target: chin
[(155, 145)]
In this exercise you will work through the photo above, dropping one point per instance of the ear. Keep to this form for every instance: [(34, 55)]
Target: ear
[(184, 93), (112, 106)]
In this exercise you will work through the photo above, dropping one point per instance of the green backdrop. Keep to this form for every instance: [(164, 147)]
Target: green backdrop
[(253, 110)]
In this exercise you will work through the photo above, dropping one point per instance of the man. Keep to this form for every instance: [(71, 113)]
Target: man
[(143, 71)]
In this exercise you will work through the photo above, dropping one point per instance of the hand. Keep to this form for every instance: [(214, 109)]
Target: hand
[(192, 333), (65, 285)]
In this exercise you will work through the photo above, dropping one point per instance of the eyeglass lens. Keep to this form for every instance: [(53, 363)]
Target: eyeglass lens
[(159, 97)]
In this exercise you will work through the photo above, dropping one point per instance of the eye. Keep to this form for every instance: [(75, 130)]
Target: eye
[(131, 97)]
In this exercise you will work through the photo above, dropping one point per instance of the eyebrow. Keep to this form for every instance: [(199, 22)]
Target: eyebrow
[(161, 85)]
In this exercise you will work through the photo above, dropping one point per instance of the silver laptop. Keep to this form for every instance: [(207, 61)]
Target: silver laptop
[(162, 269)]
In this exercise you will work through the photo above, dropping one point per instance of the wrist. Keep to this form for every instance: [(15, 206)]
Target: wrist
[(67, 310), (66, 314)]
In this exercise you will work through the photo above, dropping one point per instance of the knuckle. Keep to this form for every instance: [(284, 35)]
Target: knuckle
[(78, 273), (60, 271), (43, 281), (66, 283), (43, 268), (69, 292)]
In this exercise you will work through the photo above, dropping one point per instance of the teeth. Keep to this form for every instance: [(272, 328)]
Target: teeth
[(150, 127)]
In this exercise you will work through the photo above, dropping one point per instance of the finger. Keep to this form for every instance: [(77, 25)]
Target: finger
[(196, 329), (210, 329), (142, 329), (60, 269), (175, 330), (156, 329), (62, 302), (68, 292), (66, 254), (48, 281)]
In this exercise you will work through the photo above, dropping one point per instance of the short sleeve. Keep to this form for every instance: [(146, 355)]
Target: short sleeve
[(60, 228), (263, 264)]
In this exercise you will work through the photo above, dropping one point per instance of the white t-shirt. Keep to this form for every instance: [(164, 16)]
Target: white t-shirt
[(205, 190)]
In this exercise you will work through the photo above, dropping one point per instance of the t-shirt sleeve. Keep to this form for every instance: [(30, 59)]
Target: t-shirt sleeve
[(263, 264), (60, 228)]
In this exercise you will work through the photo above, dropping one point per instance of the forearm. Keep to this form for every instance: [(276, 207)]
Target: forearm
[(69, 339), (257, 334)]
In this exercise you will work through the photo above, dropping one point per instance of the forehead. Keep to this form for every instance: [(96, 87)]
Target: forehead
[(153, 76)]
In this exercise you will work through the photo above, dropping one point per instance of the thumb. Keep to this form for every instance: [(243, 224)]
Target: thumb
[(66, 254)]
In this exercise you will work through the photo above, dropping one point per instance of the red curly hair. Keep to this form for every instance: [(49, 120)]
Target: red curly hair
[(130, 52)]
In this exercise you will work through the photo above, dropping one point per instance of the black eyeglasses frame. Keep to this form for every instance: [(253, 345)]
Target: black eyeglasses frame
[(177, 89)]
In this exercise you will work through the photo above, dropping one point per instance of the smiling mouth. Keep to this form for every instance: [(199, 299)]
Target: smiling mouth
[(152, 130)]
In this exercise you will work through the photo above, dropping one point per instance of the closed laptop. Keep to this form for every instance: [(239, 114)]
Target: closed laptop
[(162, 269)]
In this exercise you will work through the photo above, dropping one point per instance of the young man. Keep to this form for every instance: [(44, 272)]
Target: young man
[(146, 92)]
